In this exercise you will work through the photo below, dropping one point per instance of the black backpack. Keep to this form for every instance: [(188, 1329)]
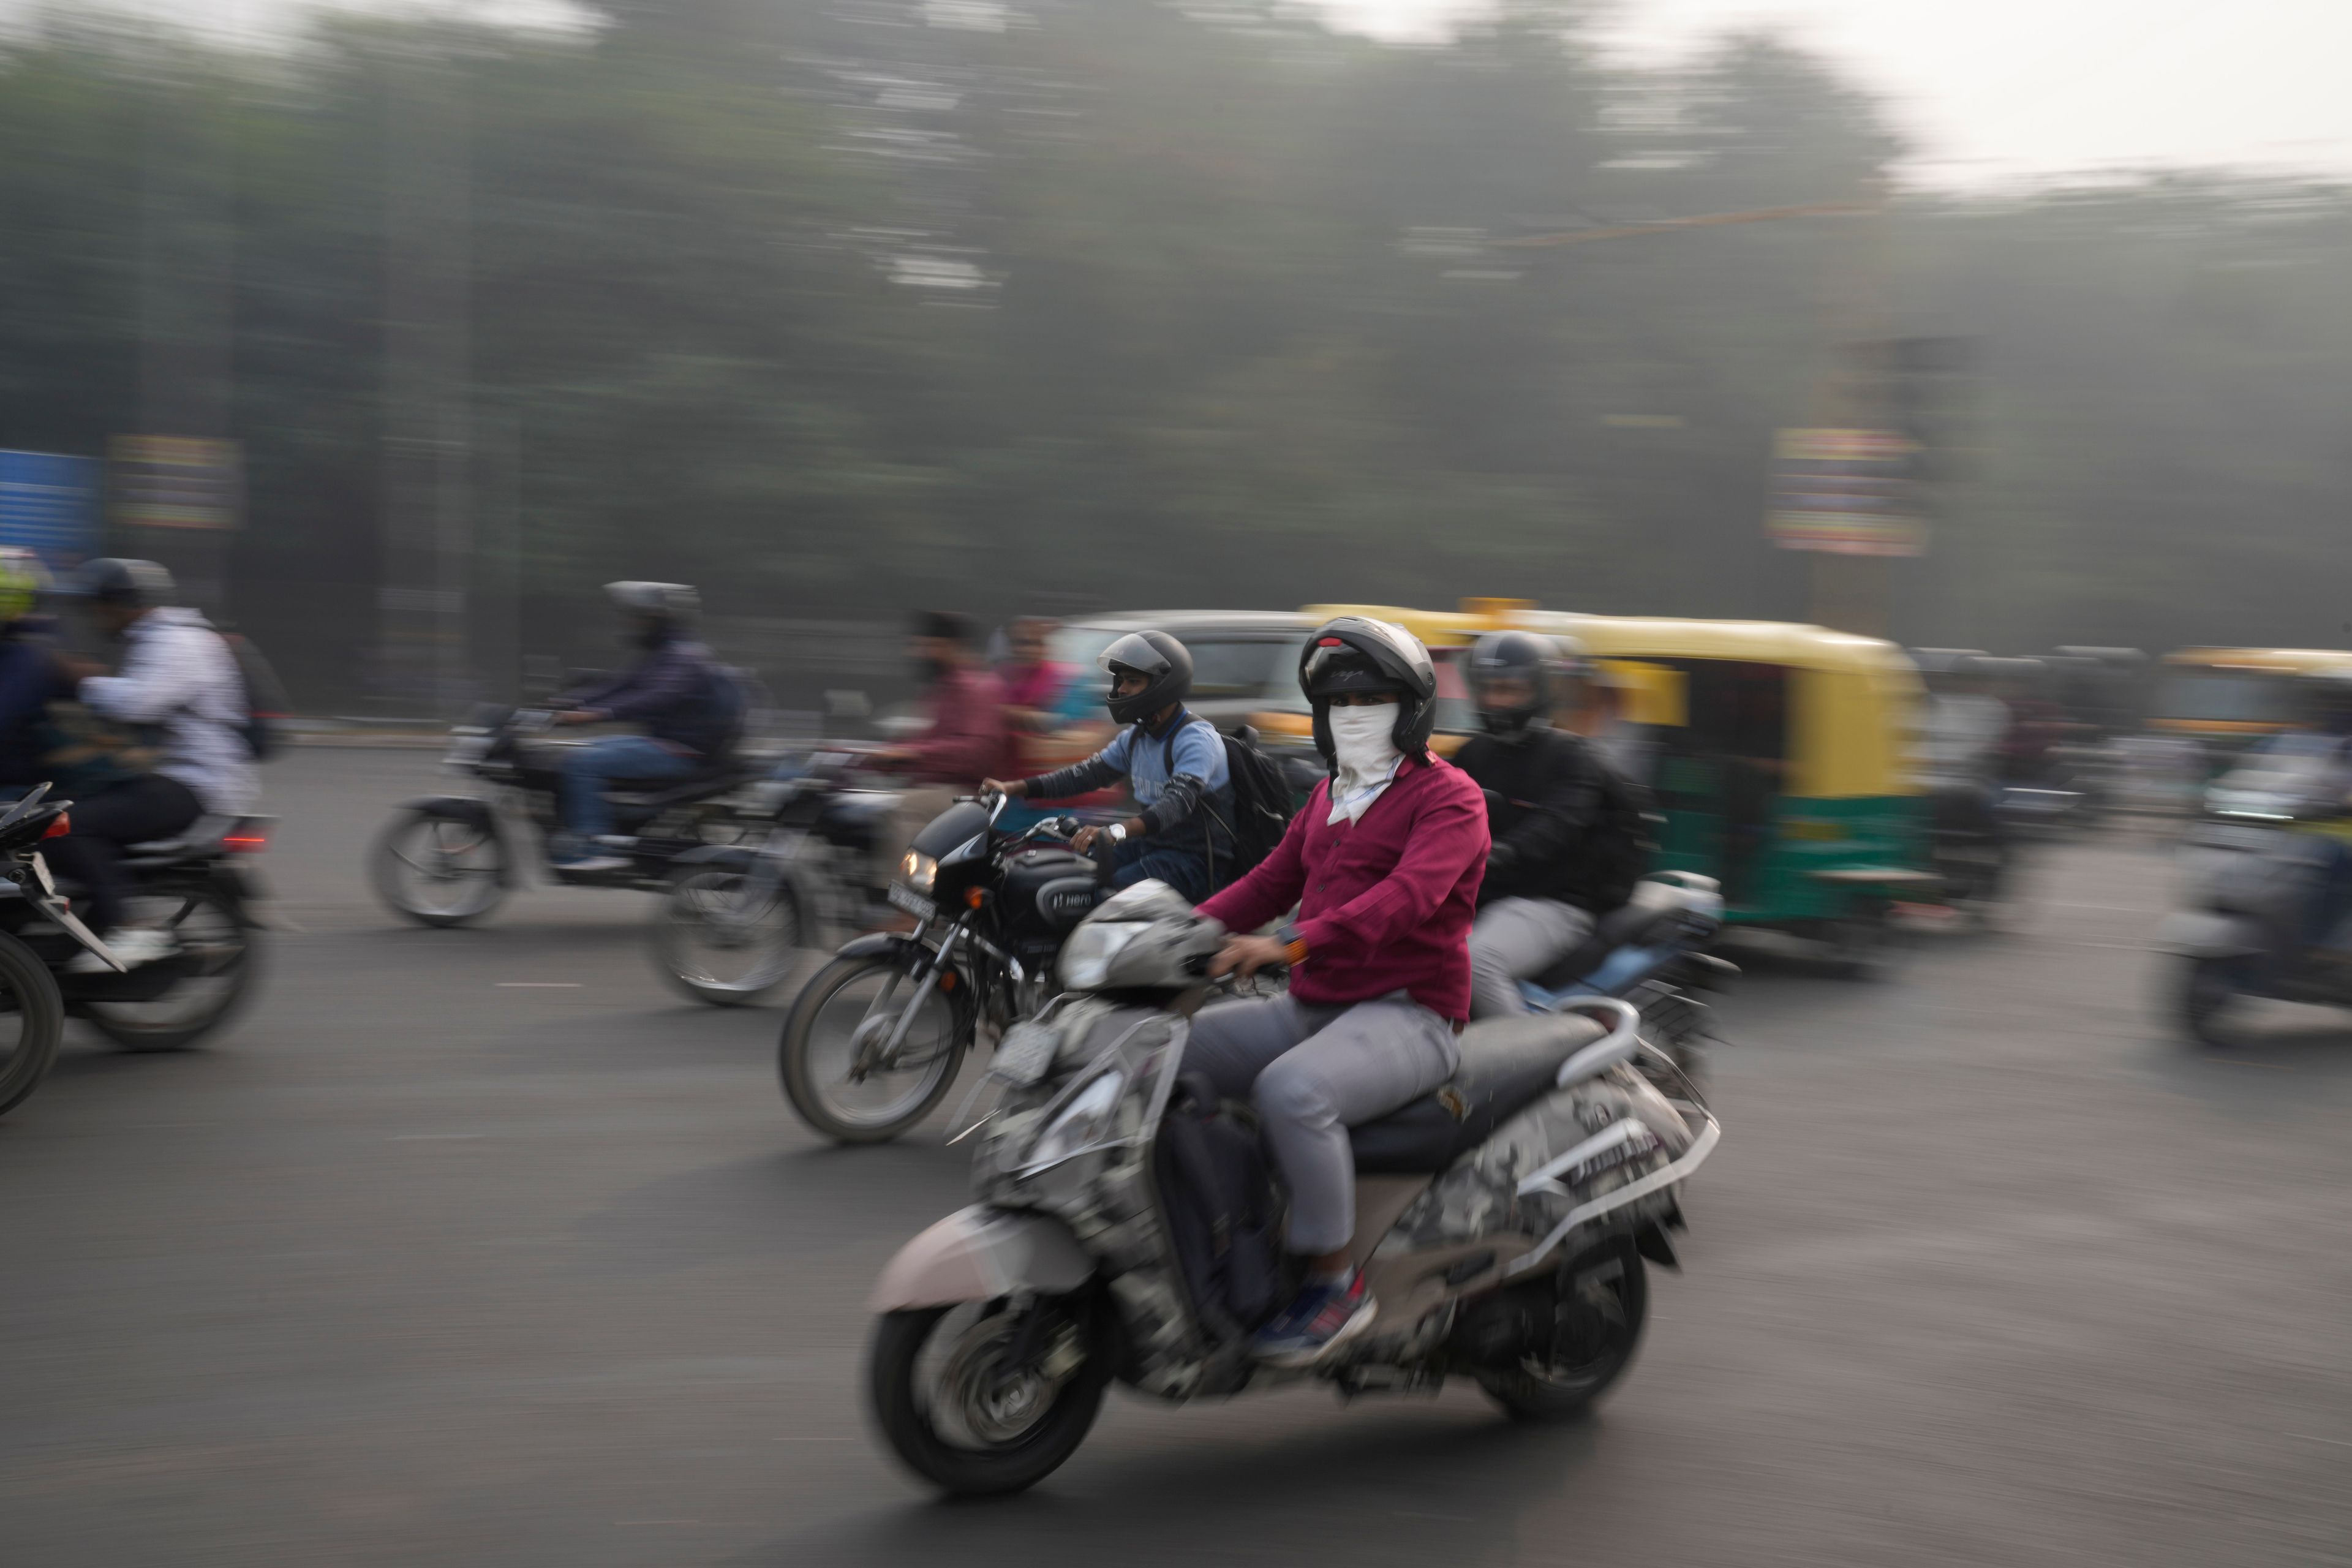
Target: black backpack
[(267, 705), (1224, 1213), (1261, 796)]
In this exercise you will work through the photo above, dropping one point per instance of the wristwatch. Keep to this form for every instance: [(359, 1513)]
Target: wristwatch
[(1116, 833), (1294, 946)]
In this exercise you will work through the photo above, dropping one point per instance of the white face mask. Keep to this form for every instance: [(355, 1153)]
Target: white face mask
[(1364, 742)]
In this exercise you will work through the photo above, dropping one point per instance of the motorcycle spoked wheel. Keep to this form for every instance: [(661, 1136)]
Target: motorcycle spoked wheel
[(1604, 1300), (439, 870), (708, 945), (846, 1008), (33, 1014), (223, 955), (961, 1419)]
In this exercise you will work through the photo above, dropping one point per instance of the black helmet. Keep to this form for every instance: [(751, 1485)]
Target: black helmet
[(1542, 662), (1357, 653), (113, 580), (1165, 664)]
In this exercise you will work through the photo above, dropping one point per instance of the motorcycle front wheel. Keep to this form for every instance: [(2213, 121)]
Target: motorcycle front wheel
[(2206, 991), (32, 1022), (955, 1408), (835, 1055), (1604, 1300), (221, 954), (438, 869), (722, 939)]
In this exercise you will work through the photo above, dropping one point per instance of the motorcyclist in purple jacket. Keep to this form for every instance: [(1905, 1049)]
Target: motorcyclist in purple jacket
[(675, 692)]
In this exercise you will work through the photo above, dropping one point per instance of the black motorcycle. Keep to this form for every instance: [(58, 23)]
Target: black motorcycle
[(737, 914), (874, 1038), (450, 859)]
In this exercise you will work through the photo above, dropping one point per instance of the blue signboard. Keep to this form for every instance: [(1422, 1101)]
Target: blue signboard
[(49, 505)]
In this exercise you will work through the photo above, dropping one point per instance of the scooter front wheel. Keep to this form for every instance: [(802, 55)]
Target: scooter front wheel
[(2206, 993), (981, 1402)]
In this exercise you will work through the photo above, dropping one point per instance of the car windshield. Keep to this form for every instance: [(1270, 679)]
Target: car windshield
[(2226, 697), (1225, 667)]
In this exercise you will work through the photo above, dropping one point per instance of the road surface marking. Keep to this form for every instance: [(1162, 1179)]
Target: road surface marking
[(538, 984)]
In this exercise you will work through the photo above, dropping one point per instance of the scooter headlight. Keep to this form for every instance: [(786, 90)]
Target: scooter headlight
[(1082, 1124), (919, 871), (1087, 956)]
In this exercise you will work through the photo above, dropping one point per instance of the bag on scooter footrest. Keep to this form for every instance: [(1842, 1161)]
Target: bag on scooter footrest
[(1224, 1213)]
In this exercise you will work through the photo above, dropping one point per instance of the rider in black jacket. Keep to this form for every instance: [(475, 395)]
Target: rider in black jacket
[(1548, 876)]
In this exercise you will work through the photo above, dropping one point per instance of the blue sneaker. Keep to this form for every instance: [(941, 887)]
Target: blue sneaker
[(1323, 1317)]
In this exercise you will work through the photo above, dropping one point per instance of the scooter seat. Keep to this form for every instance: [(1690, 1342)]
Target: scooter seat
[(1507, 1063), (202, 835)]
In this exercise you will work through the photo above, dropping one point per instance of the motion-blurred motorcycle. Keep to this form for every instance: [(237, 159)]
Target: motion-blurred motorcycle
[(2260, 871), (874, 1038), (450, 859), (1128, 1227), (737, 914)]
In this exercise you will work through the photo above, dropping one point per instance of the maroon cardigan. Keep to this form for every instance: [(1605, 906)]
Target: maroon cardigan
[(1385, 902)]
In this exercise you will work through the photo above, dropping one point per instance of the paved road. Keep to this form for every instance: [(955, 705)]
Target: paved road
[(476, 1248)]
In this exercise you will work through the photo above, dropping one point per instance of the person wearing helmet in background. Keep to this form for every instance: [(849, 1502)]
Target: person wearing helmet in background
[(1174, 763), (1548, 877), (674, 692), (178, 676), (1383, 865)]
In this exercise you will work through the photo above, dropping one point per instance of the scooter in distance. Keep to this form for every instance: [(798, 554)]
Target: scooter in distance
[(1651, 951), (2259, 872), (1503, 1223)]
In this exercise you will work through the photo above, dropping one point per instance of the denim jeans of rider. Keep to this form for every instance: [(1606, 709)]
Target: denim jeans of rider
[(1186, 870), (1314, 1072), (604, 762)]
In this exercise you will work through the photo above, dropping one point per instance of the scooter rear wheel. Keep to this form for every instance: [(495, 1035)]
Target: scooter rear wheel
[(1604, 1300), (959, 1419)]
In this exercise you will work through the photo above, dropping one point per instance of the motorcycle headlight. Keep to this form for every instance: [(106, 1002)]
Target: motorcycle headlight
[(1087, 956), (1080, 1125), (918, 871)]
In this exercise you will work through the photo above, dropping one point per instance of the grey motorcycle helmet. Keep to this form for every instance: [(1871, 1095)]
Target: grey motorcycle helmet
[(1143, 938)]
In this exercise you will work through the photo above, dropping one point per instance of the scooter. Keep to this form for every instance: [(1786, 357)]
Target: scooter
[(2257, 872), (1504, 1223)]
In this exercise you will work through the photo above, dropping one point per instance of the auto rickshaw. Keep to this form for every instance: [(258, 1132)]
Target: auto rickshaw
[(2227, 698), (1777, 753)]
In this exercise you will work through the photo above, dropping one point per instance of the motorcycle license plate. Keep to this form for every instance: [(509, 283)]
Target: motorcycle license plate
[(914, 903)]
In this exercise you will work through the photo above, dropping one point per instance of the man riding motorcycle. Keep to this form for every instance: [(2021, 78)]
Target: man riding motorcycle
[(179, 675), (1552, 873), (1174, 763), (1384, 864), (674, 690), (968, 739)]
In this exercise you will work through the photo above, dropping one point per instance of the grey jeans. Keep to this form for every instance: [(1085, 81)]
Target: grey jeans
[(1314, 1072), (1517, 939)]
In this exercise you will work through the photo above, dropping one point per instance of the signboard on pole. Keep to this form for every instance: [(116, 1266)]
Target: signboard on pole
[(176, 481), (48, 504), (1845, 492)]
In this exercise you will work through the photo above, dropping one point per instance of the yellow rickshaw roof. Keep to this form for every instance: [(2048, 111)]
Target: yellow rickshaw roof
[(1789, 643), (1654, 637), (2275, 661)]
